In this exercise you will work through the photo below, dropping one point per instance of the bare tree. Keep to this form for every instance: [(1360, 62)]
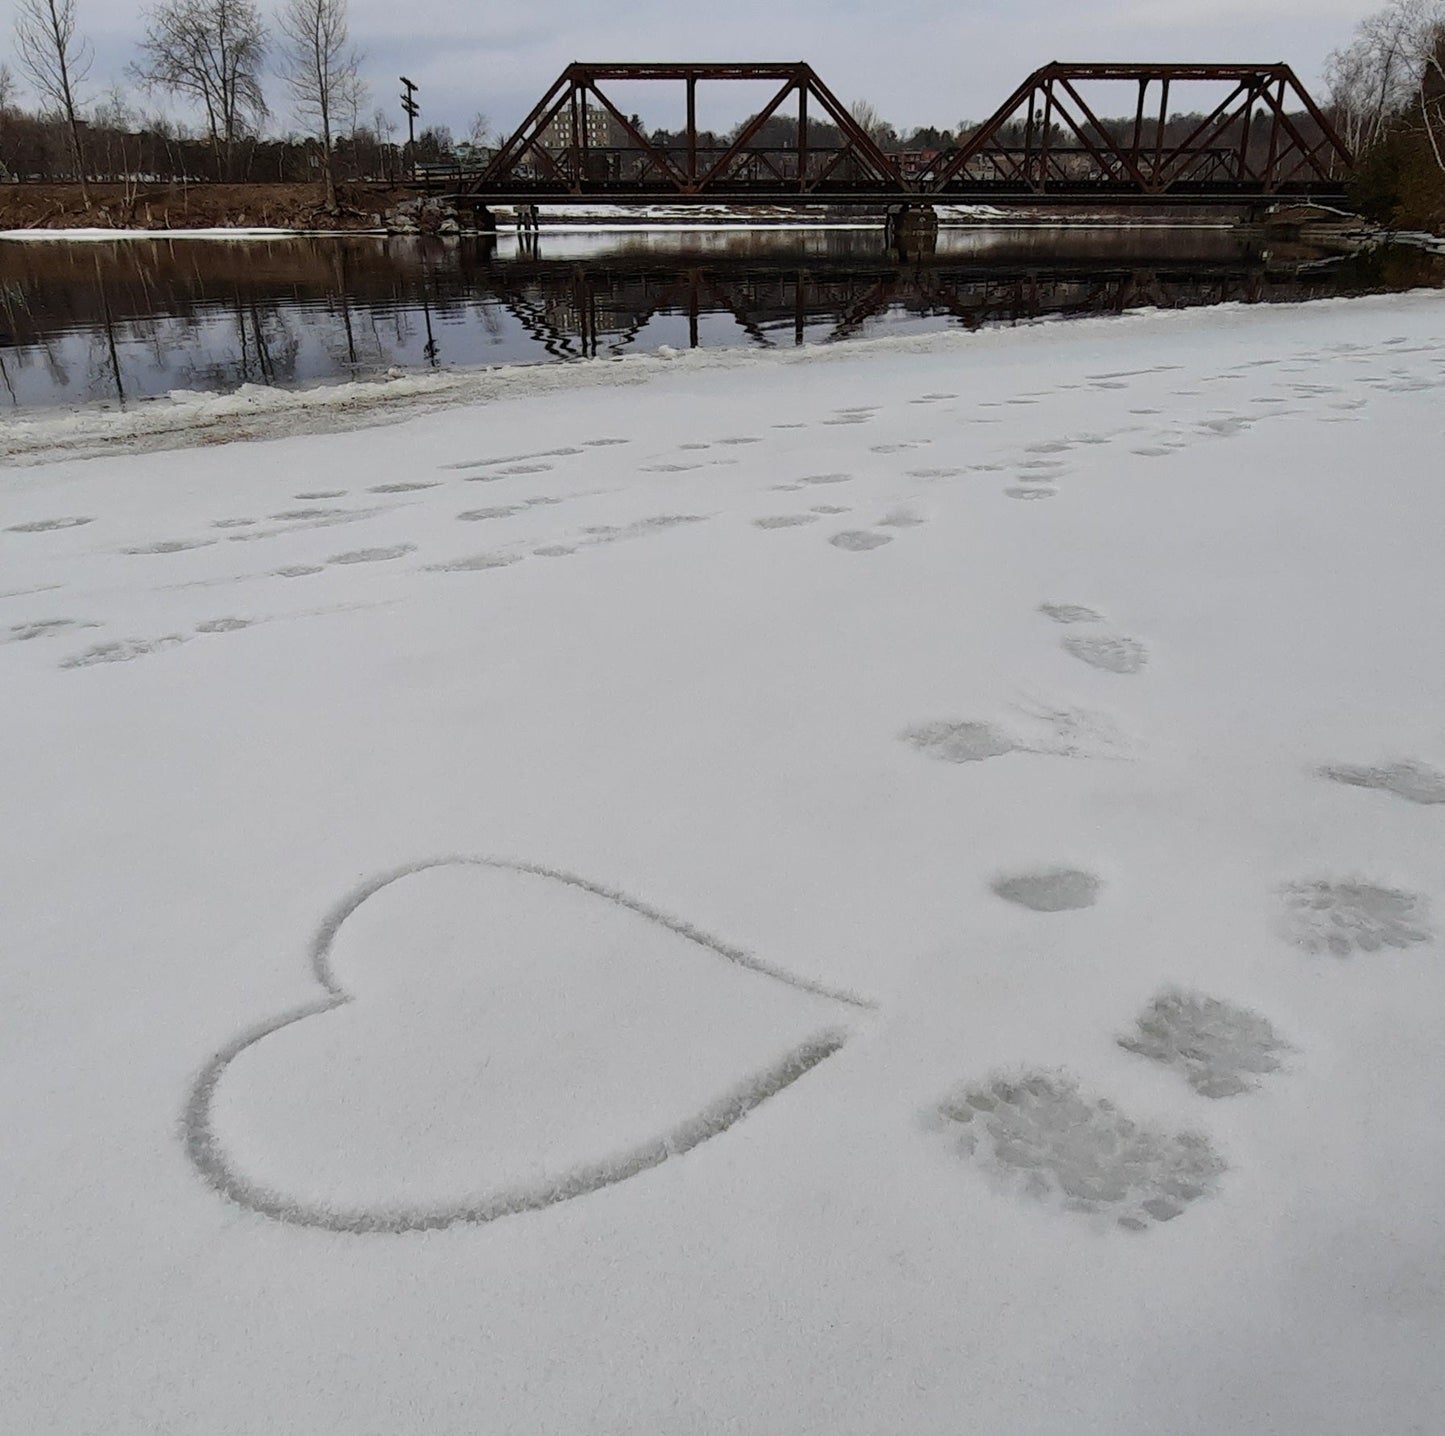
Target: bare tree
[(877, 128), (1395, 57), (57, 61), (322, 69), (211, 52), (7, 89), (385, 127)]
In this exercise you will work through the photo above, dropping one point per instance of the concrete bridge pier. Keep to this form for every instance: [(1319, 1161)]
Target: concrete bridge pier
[(912, 229), (482, 218)]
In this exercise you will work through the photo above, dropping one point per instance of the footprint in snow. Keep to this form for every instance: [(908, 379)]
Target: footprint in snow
[(1217, 1047), (44, 628), (169, 546), (1038, 728), (498, 511), (45, 526), (1070, 613), (122, 651), (960, 742), (1111, 652), (476, 563), (1050, 889), (858, 540), (1040, 1135), (1415, 782), (1344, 916), (372, 555), (784, 521)]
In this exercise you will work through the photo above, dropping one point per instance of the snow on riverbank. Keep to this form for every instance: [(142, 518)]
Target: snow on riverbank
[(38, 236), (888, 890)]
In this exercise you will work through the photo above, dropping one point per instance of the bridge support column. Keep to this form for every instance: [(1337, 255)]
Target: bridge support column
[(912, 229)]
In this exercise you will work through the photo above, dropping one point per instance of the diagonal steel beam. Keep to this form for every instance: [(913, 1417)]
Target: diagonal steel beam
[(750, 130), (656, 156)]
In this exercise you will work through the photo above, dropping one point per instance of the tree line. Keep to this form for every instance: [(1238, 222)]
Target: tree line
[(212, 56), (1386, 96), (1387, 93)]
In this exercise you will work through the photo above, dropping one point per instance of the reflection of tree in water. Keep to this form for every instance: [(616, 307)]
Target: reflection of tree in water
[(153, 316), (255, 343), (16, 305)]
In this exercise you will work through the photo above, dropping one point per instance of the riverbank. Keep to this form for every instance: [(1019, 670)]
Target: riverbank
[(203, 206), (913, 870), (366, 207)]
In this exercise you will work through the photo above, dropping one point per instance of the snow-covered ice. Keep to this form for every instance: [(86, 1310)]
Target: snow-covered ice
[(658, 897)]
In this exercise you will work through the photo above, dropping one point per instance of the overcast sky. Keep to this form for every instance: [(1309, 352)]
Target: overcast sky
[(928, 62)]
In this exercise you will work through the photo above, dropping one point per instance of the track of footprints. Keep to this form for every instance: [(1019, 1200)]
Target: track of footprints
[(1040, 1133), (1035, 1132)]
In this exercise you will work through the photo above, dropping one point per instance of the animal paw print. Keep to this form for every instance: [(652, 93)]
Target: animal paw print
[(1218, 1047), (1111, 652), (1342, 916), (1050, 889), (1039, 1134)]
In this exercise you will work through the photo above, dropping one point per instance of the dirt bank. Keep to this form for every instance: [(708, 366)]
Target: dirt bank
[(207, 206)]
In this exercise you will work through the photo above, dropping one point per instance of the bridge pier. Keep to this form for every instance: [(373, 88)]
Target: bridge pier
[(482, 217), (912, 229)]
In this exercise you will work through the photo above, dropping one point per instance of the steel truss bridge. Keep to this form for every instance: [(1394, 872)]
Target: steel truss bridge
[(1255, 138)]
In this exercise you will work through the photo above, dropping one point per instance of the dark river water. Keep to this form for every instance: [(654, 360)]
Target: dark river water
[(120, 322)]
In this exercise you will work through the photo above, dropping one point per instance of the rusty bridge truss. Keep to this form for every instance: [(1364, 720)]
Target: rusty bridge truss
[(1069, 135)]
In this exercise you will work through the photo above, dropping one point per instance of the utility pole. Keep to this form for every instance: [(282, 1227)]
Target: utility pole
[(409, 104)]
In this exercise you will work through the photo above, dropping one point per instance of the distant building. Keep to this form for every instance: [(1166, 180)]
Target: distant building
[(601, 131)]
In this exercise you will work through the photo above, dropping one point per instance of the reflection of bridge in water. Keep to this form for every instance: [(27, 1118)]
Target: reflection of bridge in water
[(577, 310)]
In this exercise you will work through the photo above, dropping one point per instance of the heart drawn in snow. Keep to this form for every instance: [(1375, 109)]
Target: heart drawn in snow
[(496, 1037)]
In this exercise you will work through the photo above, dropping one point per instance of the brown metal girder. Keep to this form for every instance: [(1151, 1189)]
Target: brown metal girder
[(1142, 69), (859, 140), (1307, 151), (1093, 119), (838, 156), (1221, 117), (528, 130), (545, 155), (986, 131), (654, 154), (1327, 128), (746, 138), (687, 69)]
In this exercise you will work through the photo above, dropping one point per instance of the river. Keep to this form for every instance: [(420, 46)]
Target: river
[(119, 322)]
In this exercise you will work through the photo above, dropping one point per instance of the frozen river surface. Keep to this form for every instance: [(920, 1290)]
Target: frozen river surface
[(894, 887)]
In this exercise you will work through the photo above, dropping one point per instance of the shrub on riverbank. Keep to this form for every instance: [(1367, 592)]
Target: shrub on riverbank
[(1399, 184)]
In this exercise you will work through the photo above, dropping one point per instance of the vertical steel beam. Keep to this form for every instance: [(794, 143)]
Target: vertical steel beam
[(692, 130)]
